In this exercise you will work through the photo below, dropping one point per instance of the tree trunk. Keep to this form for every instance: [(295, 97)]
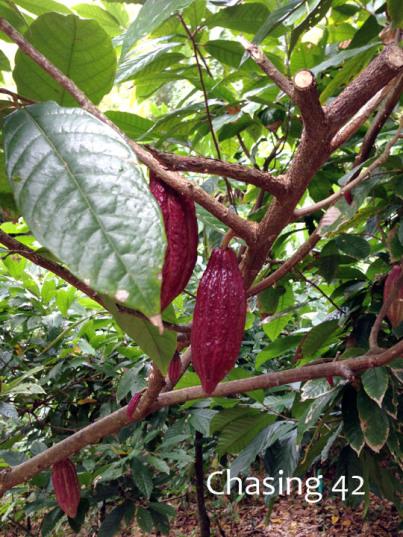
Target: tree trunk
[(204, 521)]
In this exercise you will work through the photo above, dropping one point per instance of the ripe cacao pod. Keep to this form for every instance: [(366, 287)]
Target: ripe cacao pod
[(66, 486), (134, 401), (348, 197), (174, 369), (219, 318), (395, 310), (180, 223)]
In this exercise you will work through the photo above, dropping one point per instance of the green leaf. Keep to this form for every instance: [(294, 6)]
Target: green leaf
[(351, 422), (317, 12), (353, 245), (132, 382), (375, 382), (337, 59), (395, 12), (152, 14), (4, 62), (374, 422), (50, 520), (275, 18), (318, 337), (81, 49), (111, 525), (108, 229), (229, 53), (238, 426), (277, 348), (39, 8), (132, 125), (147, 64), (160, 348), (108, 22), (144, 520), (242, 18), (142, 477)]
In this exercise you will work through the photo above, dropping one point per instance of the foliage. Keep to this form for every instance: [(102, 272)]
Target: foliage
[(65, 361)]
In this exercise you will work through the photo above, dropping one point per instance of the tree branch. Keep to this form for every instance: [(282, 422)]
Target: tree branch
[(373, 336), (387, 65), (242, 228), (117, 420), (274, 185), (260, 58), (17, 247), (364, 174), (306, 96)]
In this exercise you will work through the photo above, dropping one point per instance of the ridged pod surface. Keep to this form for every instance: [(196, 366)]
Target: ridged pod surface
[(219, 318), (395, 310), (180, 223), (66, 486), (174, 369)]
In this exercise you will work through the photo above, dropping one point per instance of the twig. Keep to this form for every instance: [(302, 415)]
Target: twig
[(16, 96), (330, 200), (373, 336), (260, 58), (196, 53), (313, 284)]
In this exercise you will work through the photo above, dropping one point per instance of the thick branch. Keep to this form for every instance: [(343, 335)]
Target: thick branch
[(330, 200), (306, 97), (387, 65), (243, 229), (253, 176), (17, 247), (117, 420)]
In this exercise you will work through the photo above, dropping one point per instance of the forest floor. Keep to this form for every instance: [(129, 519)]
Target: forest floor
[(291, 517)]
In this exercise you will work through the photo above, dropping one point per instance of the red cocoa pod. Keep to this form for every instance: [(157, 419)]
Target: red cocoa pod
[(219, 318), (131, 407), (348, 197), (395, 310), (174, 369), (67, 487), (330, 380), (179, 215)]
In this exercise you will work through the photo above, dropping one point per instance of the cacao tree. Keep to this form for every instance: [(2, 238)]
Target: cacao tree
[(201, 238)]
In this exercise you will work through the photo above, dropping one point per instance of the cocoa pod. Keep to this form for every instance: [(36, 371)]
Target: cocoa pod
[(66, 486), (348, 197), (179, 215), (134, 401), (395, 310), (174, 369), (219, 318)]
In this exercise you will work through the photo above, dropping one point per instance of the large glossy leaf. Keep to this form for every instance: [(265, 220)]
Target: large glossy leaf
[(80, 188), (39, 8), (243, 17), (351, 423), (275, 18), (81, 49), (152, 14), (374, 422), (159, 348), (375, 382)]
